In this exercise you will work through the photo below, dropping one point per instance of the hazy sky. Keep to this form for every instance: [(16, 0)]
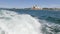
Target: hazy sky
[(28, 3)]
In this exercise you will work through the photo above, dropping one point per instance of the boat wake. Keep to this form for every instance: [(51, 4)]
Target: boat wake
[(14, 23)]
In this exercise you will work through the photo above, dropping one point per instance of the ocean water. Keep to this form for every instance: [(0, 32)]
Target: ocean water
[(29, 22)]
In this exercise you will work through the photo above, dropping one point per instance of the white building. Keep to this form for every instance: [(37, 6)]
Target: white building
[(35, 7)]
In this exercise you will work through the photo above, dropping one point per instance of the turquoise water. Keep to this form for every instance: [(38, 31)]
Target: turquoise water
[(49, 19)]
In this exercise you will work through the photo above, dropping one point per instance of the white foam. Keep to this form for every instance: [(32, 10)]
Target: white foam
[(13, 23), (50, 27)]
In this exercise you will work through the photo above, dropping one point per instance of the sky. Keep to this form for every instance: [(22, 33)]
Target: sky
[(29, 3)]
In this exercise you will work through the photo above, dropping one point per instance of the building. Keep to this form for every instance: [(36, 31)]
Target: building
[(35, 7)]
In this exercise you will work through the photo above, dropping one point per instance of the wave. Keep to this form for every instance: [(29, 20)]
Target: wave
[(14, 23), (50, 28)]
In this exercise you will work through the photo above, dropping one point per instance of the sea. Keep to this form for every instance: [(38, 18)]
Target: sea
[(29, 21)]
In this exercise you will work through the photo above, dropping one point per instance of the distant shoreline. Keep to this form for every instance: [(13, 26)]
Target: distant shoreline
[(31, 9)]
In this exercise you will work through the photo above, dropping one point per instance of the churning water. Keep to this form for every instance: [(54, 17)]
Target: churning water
[(12, 22)]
